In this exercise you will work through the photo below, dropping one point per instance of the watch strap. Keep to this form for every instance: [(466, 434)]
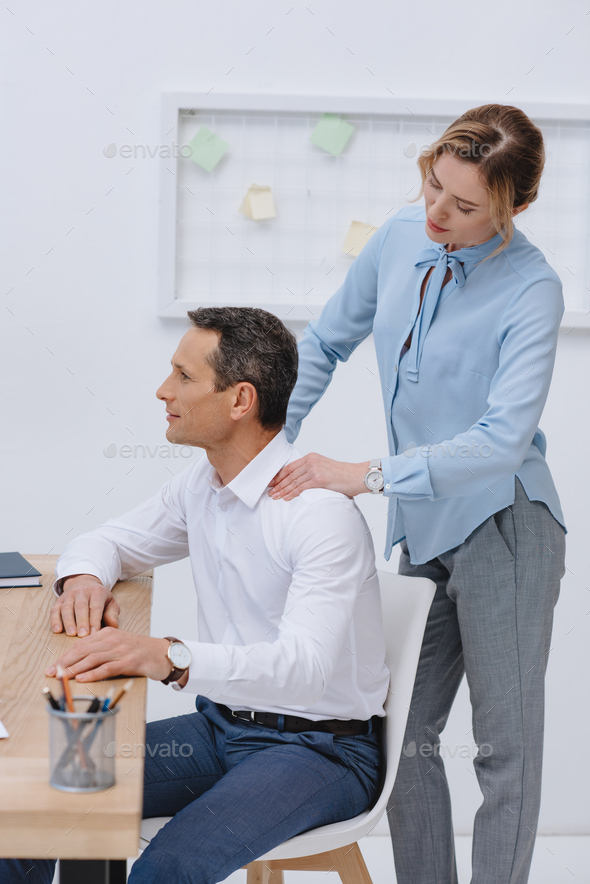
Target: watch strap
[(176, 673), (374, 466)]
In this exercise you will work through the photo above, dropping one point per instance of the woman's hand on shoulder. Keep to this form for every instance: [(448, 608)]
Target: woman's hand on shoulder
[(316, 471)]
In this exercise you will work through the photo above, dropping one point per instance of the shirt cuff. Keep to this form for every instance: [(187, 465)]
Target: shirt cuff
[(209, 670), (59, 581), (407, 475)]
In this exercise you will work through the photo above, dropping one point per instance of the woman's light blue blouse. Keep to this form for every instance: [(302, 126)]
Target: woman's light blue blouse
[(463, 404)]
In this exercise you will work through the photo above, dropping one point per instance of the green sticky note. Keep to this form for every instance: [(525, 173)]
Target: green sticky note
[(207, 149), (332, 134)]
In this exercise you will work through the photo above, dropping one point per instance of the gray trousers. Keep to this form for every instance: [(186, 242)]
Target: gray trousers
[(491, 618)]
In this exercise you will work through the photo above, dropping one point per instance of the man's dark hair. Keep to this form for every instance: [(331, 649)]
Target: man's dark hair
[(256, 347)]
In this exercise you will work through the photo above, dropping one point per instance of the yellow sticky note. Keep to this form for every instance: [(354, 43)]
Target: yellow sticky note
[(245, 208), (258, 203), (358, 236)]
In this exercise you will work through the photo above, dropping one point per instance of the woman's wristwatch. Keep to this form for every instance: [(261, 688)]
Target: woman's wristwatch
[(180, 659), (374, 477)]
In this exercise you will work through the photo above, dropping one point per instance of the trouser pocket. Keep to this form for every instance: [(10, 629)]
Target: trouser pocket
[(504, 522)]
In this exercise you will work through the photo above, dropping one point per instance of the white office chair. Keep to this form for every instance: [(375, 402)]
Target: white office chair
[(405, 602)]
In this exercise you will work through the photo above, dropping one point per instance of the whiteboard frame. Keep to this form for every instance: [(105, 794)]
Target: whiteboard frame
[(173, 102)]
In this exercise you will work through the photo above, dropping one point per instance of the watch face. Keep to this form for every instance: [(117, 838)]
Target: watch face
[(375, 480), (179, 655)]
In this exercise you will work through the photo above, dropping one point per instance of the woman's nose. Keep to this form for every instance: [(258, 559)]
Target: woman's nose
[(438, 208)]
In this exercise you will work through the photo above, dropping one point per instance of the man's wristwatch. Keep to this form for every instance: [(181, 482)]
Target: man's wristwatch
[(374, 477), (180, 658)]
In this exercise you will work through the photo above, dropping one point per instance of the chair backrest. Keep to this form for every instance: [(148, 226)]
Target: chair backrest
[(405, 602)]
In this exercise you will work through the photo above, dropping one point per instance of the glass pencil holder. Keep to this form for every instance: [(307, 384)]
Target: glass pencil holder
[(82, 748)]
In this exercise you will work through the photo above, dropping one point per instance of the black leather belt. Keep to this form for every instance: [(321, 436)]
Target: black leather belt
[(294, 725)]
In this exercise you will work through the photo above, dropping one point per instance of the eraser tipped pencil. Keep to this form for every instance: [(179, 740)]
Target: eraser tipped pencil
[(126, 687)]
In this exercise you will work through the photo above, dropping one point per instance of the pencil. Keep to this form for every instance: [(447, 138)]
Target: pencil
[(108, 699), (126, 687), (50, 698), (61, 674), (87, 741)]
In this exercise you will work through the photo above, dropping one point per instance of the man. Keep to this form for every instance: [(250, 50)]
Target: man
[(289, 668)]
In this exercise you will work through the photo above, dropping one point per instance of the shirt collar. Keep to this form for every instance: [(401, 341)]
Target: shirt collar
[(472, 254), (254, 479)]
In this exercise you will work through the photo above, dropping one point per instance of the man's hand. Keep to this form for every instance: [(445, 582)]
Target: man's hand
[(83, 605), (110, 652)]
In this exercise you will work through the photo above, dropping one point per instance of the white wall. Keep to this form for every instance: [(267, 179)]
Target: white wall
[(82, 350)]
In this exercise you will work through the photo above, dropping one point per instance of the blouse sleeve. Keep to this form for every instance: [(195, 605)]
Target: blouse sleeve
[(345, 321)]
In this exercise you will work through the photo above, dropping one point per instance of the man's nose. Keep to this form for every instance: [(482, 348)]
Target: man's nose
[(162, 392)]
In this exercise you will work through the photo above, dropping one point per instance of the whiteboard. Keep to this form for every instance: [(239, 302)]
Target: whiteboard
[(210, 254)]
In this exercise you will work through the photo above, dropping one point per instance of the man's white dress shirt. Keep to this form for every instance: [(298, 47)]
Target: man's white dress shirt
[(289, 614)]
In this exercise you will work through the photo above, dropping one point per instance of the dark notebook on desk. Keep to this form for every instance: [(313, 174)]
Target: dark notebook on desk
[(16, 571)]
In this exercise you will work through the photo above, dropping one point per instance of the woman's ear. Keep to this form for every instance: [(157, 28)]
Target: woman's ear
[(518, 209)]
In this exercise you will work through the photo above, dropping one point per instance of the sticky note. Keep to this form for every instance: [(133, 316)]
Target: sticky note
[(258, 203), (358, 236), (332, 134), (207, 149)]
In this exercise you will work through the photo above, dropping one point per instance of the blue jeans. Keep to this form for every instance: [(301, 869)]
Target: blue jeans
[(235, 790)]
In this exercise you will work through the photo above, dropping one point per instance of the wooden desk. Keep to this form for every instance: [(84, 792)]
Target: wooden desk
[(36, 820)]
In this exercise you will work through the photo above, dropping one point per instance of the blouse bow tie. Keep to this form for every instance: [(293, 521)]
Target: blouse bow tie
[(442, 261)]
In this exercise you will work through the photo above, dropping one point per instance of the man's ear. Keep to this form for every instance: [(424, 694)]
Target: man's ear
[(245, 401)]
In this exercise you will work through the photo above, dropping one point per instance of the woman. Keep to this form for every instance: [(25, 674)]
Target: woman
[(465, 313)]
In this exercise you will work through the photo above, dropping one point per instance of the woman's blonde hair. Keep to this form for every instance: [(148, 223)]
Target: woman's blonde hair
[(507, 149)]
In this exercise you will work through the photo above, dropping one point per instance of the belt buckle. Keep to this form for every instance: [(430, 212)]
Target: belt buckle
[(240, 717)]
